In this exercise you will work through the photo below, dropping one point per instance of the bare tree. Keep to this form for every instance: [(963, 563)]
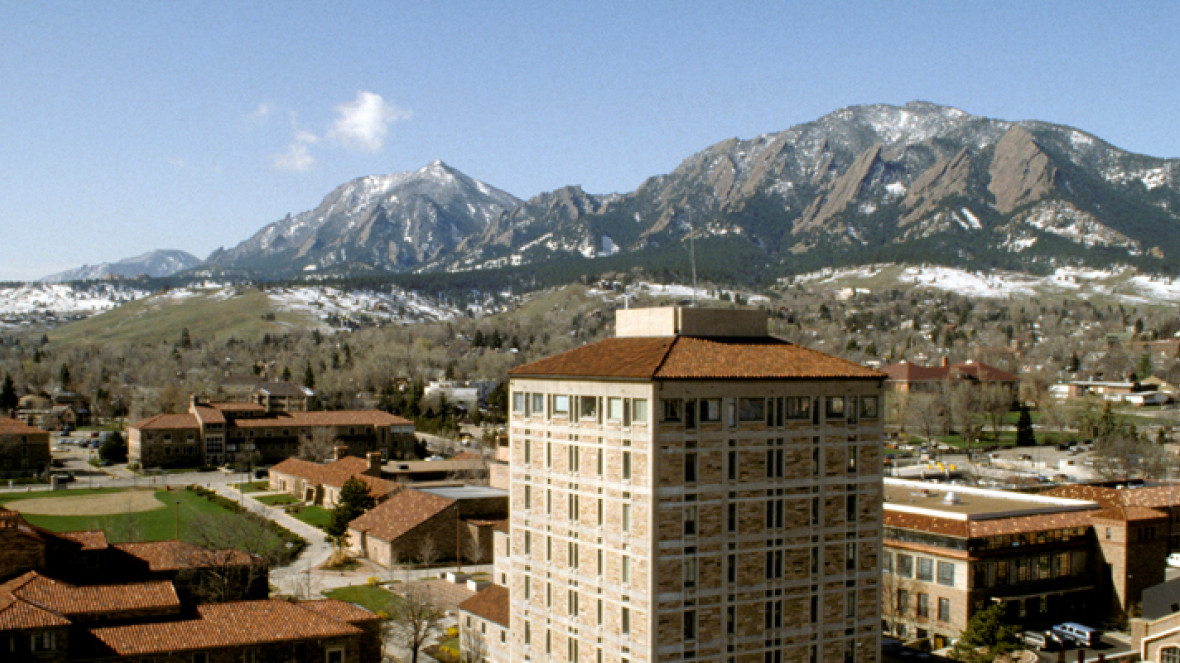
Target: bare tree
[(965, 410), (428, 552), (415, 619), (926, 414), (995, 400), (317, 444), (230, 556)]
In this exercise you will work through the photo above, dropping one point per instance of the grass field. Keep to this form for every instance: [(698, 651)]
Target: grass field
[(252, 487), (316, 516), (275, 500), (368, 596), (159, 317), (159, 524)]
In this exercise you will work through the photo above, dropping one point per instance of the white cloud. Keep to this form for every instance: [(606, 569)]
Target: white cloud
[(364, 122), (296, 158), (261, 112)]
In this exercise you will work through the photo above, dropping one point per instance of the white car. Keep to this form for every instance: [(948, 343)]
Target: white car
[(1174, 559)]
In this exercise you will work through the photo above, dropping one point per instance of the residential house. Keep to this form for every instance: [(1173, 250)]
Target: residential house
[(282, 397)]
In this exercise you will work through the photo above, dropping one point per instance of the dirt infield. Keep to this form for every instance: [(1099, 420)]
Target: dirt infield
[(132, 501)]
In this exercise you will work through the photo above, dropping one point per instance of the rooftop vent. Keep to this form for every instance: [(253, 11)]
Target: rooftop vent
[(952, 498)]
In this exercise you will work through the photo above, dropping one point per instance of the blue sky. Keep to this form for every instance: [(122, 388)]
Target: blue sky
[(131, 126)]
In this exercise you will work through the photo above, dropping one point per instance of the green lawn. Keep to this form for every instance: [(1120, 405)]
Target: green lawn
[(275, 500), (156, 525), (372, 597), (316, 516), (252, 487)]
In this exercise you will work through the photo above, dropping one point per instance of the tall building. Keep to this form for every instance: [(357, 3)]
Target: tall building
[(693, 489)]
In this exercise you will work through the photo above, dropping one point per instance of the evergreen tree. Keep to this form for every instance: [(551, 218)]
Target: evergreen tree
[(1024, 429), (114, 449), (1075, 363), (286, 377), (309, 376), (353, 501), (186, 340), (8, 397), (1143, 368), (63, 376), (989, 631)]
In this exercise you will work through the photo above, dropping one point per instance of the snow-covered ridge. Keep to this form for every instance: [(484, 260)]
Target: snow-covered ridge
[(1123, 283)]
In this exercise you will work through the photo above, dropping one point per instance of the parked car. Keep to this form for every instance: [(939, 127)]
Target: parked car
[(1041, 640), (1083, 636), (1174, 559)]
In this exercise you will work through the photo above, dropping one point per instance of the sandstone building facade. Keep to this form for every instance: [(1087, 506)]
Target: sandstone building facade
[(693, 489)]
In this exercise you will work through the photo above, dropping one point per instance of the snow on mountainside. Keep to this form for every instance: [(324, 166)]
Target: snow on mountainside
[(153, 263), (387, 223), (51, 304)]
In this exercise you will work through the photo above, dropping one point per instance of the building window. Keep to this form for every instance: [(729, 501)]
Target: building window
[(752, 409), (538, 404), (614, 408), (574, 459), (905, 565), (588, 406), (690, 467), (925, 569), (561, 405), (626, 466), (690, 520), (944, 612), (946, 573), (626, 517), (731, 521), (835, 408), (626, 569), (903, 601), (690, 624), (868, 407), (639, 410), (625, 621), (333, 655), (923, 605), (799, 407), (690, 567), (672, 409), (528, 497), (711, 409)]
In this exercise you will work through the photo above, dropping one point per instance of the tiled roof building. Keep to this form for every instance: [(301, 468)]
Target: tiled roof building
[(24, 449), (691, 489), (949, 551), (905, 376), (320, 483), (444, 522), (212, 433)]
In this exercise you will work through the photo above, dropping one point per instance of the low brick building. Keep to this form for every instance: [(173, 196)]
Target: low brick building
[(24, 449), (320, 483), (215, 432), (430, 524), (483, 624)]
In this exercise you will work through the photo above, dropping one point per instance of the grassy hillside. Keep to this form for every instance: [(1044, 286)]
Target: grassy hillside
[(249, 314)]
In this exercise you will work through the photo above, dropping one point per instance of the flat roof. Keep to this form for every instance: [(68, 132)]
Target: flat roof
[(465, 492), (968, 503)]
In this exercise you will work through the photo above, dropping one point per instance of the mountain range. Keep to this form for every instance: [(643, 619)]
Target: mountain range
[(163, 262), (864, 184)]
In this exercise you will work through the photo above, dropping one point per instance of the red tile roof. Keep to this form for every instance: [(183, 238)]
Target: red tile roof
[(345, 612), (176, 555), (10, 426), (335, 473), (399, 514), (964, 529), (218, 625), (333, 418), (209, 415), (91, 601), (688, 358), (90, 539), (168, 422), (904, 371), (490, 603)]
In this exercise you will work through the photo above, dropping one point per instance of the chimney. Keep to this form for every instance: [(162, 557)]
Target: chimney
[(339, 451), (374, 468), (946, 362)]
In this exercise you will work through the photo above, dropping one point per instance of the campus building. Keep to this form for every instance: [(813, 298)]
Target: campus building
[(950, 551), (212, 433), (24, 449), (691, 489)]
